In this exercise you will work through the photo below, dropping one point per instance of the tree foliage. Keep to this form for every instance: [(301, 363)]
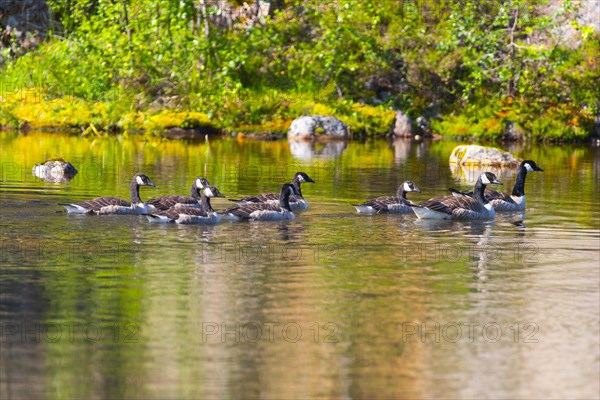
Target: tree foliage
[(467, 61)]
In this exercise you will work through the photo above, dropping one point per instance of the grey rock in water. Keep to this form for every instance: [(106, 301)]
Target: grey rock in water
[(56, 171), (482, 155), (404, 127), (309, 127)]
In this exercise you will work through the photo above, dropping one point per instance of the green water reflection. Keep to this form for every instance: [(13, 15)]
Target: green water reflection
[(329, 305)]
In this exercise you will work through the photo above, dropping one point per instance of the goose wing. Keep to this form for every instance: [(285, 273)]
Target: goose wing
[(494, 195), (166, 202), (439, 204), (458, 193), (173, 213), (382, 202), (456, 206), (105, 201), (259, 198), (246, 210)]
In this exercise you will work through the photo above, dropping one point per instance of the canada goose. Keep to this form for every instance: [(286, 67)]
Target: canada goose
[(297, 202), (264, 211), (504, 201), (165, 202), (398, 204), (452, 207), (183, 214), (115, 205)]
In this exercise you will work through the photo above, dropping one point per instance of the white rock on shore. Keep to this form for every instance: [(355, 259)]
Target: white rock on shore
[(306, 128)]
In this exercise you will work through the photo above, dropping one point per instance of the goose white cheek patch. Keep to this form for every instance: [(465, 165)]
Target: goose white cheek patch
[(528, 167), (485, 179), (301, 179), (139, 180), (199, 184), (208, 192), (407, 187)]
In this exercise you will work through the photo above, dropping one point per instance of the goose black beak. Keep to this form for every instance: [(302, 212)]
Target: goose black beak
[(309, 180), (538, 169), (417, 190), (151, 184), (497, 182)]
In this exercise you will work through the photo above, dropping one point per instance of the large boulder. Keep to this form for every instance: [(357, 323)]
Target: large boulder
[(56, 171), (482, 155), (404, 127), (317, 126)]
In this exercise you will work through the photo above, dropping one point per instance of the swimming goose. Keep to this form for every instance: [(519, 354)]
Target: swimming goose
[(452, 207), (297, 202), (183, 214), (115, 205), (398, 204), (165, 202), (265, 211), (504, 201)]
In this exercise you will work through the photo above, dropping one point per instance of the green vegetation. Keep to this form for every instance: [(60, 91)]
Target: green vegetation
[(474, 66)]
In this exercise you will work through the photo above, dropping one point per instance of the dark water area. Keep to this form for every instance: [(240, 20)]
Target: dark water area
[(329, 305)]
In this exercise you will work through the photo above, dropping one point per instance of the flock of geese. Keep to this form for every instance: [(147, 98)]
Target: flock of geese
[(479, 204)]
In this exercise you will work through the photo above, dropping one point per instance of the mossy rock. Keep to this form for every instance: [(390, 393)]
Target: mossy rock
[(472, 155)]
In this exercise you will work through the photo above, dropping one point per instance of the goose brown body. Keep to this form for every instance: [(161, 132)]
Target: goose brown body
[(398, 204), (501, 201), (460, 208), (114, 205), (297, 201), (265, 211), (193, 200), (183, 214)]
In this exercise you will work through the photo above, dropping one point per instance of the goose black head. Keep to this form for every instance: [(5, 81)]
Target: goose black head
[(409, 186), (211, 191), (201, 183), (530, 166), (143, 180), (488, 178), (302, 177)]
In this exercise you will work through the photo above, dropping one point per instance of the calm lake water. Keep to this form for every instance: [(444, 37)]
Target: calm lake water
[(329, 305)]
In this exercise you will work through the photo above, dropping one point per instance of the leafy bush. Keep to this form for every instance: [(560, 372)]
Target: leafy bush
[(478, 63)]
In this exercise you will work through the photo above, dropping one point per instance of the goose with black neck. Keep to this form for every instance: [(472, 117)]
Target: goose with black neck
[(182, 214), (115, 205), (265, 211), (460, 208), (514, 201)]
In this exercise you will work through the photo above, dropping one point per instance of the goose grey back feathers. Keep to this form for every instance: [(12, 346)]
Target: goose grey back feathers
[(398, 204), (460, 208), (114, 205), (265, 211), (297, 201), (515, 201), (183, 214), (165, 202)]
